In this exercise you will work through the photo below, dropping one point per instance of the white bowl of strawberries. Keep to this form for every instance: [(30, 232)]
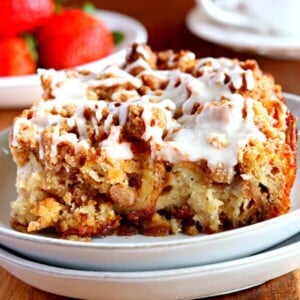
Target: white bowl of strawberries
[(68, 38)]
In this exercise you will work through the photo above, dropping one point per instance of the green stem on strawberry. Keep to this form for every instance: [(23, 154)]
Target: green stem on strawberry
[(118, 37), (89, 7), (32, 44)]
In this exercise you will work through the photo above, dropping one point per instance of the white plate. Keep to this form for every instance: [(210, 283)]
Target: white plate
[(241, 39), (21, 91), (140, 252), (185, 283)]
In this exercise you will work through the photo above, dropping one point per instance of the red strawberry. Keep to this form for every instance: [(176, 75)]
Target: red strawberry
[(72, 38), (18, 16), (15, 57)]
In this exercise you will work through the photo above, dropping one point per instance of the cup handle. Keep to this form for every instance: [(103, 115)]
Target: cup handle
[(232, 18)]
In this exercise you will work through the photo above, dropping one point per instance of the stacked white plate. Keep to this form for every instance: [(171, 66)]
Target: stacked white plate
[(240, 39), (173, 267)]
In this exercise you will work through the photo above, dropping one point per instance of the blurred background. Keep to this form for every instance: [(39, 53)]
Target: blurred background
[(165, 21)]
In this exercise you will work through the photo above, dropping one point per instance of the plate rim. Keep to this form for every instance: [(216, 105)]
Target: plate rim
[(278, 251), (271, 45)]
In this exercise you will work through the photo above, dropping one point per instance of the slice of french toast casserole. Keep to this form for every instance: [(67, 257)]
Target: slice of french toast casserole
[(162, 144)]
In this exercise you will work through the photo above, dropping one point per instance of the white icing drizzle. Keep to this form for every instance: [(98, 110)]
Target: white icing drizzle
[(187, 56), (222, 121), (138, 63), (141, 50), (153, 132), (214, 133), (250, 82), (119, 77), (112, 146)]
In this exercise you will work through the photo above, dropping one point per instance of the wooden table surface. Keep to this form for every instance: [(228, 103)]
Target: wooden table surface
[(165, 22)]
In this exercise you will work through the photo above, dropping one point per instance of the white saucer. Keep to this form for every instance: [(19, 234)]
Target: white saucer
[(240, 39), (184, 283), (141, 253), (22, 91)]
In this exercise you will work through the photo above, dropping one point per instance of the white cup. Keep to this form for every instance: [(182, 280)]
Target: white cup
[(281, 17)]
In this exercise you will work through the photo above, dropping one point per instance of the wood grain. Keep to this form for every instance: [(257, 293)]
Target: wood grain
[(165, 22)]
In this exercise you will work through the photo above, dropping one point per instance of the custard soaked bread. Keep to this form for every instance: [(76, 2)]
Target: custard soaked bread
[(166, 143)]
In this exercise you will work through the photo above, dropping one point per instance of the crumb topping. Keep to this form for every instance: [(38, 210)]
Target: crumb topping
[(190, 115)]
